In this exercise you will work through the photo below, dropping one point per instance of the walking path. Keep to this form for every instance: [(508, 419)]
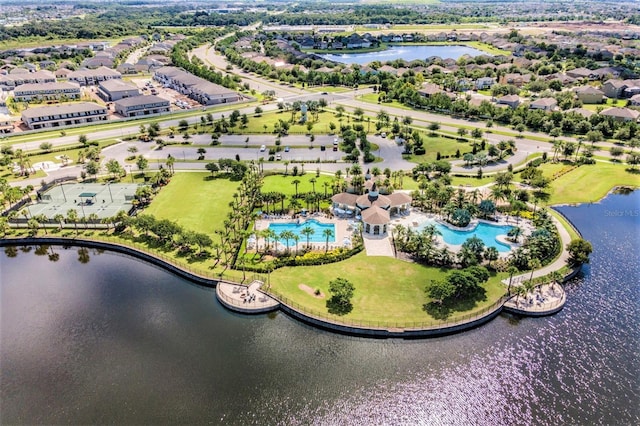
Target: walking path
[(378, 245)]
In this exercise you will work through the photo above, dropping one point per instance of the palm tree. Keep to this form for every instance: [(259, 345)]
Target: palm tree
[(313, 184), (296, 182), (307, 231), (511, 270), (491, 254), (296, 238), (327, 233), (556, 278), (287, 235), (72, 216), (533, 264), (60, 219)]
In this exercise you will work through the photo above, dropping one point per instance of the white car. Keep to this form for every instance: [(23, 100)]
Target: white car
[(263, 148)]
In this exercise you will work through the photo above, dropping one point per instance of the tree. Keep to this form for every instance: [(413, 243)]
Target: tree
[(307, 231), (491, 254), (93, 168), (296, 182), (83, 140), (114, 167), (440, 291), (341, 293), (212, 167), (46, 146), (579, 251), (142, 164), (72, 216), (258, 111), (327, 233)]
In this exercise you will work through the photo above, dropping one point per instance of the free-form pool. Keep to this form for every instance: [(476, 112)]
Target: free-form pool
[(318, 235), (485, 231)]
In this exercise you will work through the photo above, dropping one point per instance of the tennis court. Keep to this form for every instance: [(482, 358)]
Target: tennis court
[(86, 199)]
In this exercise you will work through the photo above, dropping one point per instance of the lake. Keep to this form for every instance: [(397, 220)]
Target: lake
[(97, 337), (406, 52)]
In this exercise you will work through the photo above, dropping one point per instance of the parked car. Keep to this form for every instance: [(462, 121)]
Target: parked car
[(263, 148), (286, 149)]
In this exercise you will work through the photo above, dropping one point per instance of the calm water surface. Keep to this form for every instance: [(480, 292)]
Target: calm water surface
[(115, 340), (406, 52)]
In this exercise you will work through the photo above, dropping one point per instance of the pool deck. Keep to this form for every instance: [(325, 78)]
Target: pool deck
[(344, 228), (416, 218)]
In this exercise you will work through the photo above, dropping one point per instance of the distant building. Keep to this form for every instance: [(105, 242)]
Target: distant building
[(10, 81), (510, 100), (621, 114), (63, 115), (116, 89), (545, 104), (198, 89), (614, 88), (485, 83), (589, 95), (46, 91), (141, 105), (6, 124), (85, 77)]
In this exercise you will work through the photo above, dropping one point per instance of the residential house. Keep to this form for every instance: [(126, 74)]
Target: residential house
[(509, 100), (85, 77), (116, 89), (545, 104), (484, 83), (517, 80), (141, 105), (621, 114), (46, 91), (63, 115), (429, 89), (62, 73), (10, 81), (589, 95), (613, 88), (635, 100), (586, 113), (580, 73), (196, 88), (6, 124)]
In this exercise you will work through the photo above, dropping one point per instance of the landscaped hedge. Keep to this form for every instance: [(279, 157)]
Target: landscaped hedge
[(307, 259)]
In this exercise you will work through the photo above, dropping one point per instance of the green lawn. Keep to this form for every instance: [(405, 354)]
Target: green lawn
[(610, 103), (590, 183), (329, 89), (256, 124), (388, 290), (194, 201)]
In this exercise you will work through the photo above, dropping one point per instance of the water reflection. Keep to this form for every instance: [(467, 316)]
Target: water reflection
[(119, 341)]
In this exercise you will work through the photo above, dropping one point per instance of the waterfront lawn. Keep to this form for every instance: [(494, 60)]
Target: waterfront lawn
[(194, 201), (590, 183), (388, 292)]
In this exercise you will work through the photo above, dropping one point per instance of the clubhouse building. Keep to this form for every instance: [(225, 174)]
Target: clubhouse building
[(374, 209)]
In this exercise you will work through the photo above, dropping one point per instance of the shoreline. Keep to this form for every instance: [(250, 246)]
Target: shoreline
[(471, 321)]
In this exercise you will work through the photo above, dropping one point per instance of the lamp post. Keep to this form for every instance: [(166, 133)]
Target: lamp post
[(63, 194), (110, 194)]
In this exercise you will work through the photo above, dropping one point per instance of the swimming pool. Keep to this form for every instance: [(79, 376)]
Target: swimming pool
[(485, 231), (317, 236)]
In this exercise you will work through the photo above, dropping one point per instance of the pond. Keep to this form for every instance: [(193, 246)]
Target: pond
[(406, 52), (93, 337)]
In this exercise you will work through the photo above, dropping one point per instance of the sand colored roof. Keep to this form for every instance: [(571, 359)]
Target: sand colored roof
[(399, 198), (345, 198), (375, 216), (370, 200), (624, 113)]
